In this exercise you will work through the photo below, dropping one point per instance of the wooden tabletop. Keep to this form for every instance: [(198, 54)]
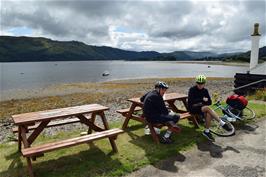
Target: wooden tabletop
[(166, 97), (27, 118)]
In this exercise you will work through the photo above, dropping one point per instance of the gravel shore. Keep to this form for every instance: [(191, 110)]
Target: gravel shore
[(112, 94)]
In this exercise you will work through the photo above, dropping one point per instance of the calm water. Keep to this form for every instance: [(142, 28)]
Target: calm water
[(41, 74)]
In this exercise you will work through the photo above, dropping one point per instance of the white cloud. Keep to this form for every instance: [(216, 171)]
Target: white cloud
[(163, 26)]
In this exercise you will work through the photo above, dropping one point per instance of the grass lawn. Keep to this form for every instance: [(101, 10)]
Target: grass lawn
[(135, 151)]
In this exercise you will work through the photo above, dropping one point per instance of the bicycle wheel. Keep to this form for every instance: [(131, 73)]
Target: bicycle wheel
[(217, 129), (245, 114)]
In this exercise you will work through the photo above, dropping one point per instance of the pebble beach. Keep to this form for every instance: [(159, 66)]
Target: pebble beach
[(112, 94)]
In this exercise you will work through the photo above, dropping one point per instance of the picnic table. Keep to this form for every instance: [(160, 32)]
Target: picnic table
[(38, 121), (169, 98)]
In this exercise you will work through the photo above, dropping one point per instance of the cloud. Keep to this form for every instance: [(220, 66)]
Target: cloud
[(164, 26)]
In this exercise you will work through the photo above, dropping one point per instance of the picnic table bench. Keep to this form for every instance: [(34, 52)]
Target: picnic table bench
[(38, 121), (170, 99)]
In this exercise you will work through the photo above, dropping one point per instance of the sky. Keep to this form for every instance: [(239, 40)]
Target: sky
[(162, 25)]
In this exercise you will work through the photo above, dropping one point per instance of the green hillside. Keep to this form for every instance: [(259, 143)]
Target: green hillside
[(14, 49), (19, 49)]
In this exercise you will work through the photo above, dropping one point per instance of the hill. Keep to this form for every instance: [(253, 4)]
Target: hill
[(188, 55), (19, 49), (14, 49), (242, 57)]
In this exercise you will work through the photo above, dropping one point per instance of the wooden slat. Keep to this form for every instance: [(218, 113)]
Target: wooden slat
[(123, 111), (86, 121), (166, 97), (37, 131), (138, 118), (28, 152), (135, 100), (51, 124), (27, 118), (185, 115), (174, 96)]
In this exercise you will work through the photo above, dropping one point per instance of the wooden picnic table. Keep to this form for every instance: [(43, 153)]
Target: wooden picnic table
[(169, 98), (38, 121)]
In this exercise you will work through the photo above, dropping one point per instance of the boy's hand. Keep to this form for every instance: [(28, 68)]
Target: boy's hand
[(205, 99)]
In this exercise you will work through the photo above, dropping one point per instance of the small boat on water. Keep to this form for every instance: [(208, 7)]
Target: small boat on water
[(105, 73)]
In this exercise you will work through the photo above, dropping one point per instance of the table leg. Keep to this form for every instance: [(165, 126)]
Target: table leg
[(24, 137), (194, 120), (193, 117), (93, 116), (106, 126), (37, 131), (30, 167), (128, 116), (185, 103), (172, 106), (19, 138), (153, 133), (91, 125), (26, 144)]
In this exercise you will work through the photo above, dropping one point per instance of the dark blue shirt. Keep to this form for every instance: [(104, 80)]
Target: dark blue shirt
[(154, 105), (196, 95)]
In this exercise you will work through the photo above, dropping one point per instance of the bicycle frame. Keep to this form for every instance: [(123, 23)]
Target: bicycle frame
[(226, 111)]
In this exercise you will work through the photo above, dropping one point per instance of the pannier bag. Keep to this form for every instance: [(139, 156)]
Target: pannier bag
[(237, 102)]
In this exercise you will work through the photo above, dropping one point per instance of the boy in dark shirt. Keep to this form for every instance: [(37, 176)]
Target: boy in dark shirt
[(198, 103), (155, 111)]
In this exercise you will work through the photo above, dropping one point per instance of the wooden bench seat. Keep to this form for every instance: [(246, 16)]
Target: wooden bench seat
[(158, 125), (51, 124), (125, 111), (185, 115), (33, 151)]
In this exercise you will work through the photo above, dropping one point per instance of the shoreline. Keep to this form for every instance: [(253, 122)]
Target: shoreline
[(216, 63), (61, 89)]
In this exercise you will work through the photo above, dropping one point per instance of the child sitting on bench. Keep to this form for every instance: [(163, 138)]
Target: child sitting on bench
[(155, 111)]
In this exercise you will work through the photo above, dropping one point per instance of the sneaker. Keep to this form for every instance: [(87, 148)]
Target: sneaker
[(164, 140), (226, 127), (208, 136)]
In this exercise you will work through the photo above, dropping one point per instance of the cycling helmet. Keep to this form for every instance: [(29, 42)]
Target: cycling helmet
[(201, 79), (161, 84)]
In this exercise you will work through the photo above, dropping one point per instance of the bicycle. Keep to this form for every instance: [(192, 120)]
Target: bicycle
[(232, 114)]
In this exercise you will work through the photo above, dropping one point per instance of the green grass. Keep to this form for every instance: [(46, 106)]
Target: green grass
[(260, 94), (97, 159), (135, 151)]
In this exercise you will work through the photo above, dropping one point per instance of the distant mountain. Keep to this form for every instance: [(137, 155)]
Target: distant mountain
[(188, 55), (243, 57), (17, 49), (14, 49)]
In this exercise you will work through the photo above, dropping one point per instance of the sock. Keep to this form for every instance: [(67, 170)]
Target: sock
[(207, 130), (167, 134), (222, 122)]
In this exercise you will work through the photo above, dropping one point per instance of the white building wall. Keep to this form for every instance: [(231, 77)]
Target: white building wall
[(254, 51)]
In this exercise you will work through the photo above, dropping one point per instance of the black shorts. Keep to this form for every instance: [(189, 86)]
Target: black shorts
[(196, 110), (163, 119)]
